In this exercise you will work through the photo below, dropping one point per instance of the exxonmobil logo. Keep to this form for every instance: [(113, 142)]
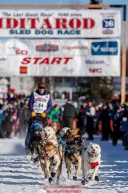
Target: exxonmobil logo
[(95, 70), (46, 48), (46, 23)]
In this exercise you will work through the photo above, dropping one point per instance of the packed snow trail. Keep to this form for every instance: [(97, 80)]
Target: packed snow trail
[(19, 175)]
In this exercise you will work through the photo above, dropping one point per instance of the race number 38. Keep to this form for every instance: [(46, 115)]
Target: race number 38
[(108, 23)]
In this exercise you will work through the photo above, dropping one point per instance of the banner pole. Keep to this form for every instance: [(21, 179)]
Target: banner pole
[(123, 78)]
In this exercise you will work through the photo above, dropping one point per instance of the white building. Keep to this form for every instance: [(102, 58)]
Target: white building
[(23, 85)]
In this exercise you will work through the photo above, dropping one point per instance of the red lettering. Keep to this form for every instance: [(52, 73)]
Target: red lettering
[(56, 60), (46, 24), (61, 23), (1, 22), (75, 23), (36, 60), (67, 59), (22, 52), (88, 23), (33, 22), (97, 70), (45, 61), (11, 23), (22, 23), (26, 61)]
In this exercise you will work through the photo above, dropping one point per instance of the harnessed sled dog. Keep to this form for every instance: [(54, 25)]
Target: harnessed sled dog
[(50, 160), (91, 160), (72, 157)]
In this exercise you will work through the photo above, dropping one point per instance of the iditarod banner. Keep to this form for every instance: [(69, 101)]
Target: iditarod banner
[(60, 58), (60, 23)]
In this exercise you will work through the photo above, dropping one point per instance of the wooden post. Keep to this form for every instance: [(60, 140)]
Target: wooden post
[(123, 81)]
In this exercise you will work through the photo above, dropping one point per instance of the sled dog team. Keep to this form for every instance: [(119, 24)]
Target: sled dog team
[(67, 146)]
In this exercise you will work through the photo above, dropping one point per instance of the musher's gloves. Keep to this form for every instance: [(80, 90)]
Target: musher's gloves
[(43, 115), (33, 114)]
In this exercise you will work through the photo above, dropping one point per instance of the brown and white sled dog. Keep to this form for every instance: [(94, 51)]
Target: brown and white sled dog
[(91, 160), (50, 160), (72, 157)]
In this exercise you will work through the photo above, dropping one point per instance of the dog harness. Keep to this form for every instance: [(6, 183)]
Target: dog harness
[(94, 164), (60, 141)]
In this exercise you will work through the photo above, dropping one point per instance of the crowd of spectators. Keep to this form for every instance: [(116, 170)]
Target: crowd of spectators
[(12, 116), (109, 120)]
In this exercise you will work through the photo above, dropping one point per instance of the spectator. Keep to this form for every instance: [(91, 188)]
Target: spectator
[(96, 118), (68, 113), (82, 118), (116, 133), (4, 114), (8, 120), (15, 122), (105, 119), (23, 114), (1, 129), (90, 120), (54, 115)]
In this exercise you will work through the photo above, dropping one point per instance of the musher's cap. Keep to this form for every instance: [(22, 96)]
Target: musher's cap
[(41, 85)]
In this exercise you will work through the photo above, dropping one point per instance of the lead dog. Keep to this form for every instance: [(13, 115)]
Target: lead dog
[(50, 160), (91, 160)]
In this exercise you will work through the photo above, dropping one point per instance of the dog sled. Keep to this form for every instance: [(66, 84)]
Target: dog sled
[(34, 134)]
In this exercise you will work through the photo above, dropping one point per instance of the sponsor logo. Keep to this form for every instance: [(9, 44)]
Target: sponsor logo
[(108, 31), (41, 99), (23, 70), (75, 47), (95, 70), (15, 50), (104, 48), (21, 52), (46, 48), (2, 59), (13, 47), (90, 62), (108, 23)]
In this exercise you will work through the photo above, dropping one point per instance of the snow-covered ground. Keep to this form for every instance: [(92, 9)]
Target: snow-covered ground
[(19, 175)]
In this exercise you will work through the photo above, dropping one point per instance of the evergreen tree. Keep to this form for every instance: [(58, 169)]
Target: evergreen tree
[(99, 88)]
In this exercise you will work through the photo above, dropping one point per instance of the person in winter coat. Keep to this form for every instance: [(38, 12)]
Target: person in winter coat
[(1, 117), (8, 120), (82, 118), (4, 115), (23, 114), (68, 113), (105, 119), (15, 122), (90, 121), (40, 101), (54, 115)]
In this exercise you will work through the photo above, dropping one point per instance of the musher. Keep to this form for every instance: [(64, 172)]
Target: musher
[(40, 104)]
